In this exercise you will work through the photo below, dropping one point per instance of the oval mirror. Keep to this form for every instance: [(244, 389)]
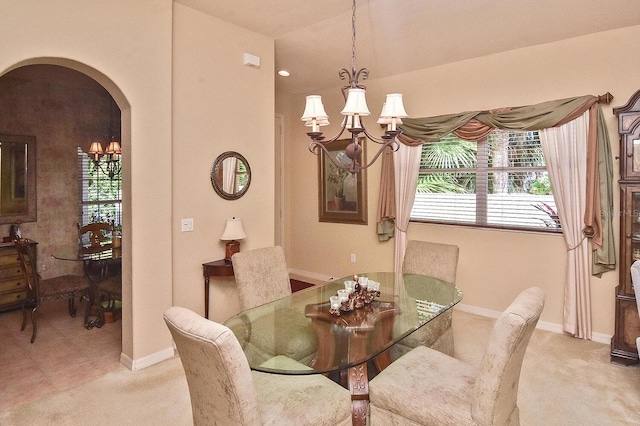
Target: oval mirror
[(230, 175)]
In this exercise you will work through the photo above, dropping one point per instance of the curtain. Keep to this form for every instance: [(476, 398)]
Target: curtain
[(229, 175), (565, 151), (407, 159), (387, 202), (597, 202)]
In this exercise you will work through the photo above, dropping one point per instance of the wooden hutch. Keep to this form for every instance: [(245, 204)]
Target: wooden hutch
[(627, 322)]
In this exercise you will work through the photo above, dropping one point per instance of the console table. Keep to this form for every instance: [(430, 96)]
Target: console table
[(217, 268)]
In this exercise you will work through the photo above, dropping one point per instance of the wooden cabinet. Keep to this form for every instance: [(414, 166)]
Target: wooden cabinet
[(627, 322), (13, 286)]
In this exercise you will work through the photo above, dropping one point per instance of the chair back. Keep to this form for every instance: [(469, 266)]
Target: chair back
[(218, 374), (495, 392), (635, 280), (94, 235), (28, 265), (433, 259), (261, 276)]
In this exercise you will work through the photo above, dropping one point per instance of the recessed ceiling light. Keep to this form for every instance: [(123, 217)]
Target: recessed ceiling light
[(284, 73)]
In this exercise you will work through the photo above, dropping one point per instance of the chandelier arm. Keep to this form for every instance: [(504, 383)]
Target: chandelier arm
[(313, 148), (393, 145)]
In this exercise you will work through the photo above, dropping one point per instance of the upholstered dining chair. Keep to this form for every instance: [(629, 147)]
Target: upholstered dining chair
[(110, 291), (428, 387), (261, 277), (224, 391), (47, 290), (439, 261), (635, 279)]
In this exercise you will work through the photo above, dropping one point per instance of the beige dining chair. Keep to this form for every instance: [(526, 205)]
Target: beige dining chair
[(439, 261), (224, 391), (261, 277), (427, 387), (635, 280)]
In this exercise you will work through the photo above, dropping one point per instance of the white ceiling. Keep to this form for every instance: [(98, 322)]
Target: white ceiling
[(313, 38)]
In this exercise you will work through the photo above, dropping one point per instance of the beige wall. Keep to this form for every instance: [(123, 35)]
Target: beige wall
[(219, 105), (494, 265)]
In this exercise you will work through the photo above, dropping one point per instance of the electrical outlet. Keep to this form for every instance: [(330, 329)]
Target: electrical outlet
[(187, 225), (353, 258)]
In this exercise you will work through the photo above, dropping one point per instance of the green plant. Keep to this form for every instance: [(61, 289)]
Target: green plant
[(554, 219)]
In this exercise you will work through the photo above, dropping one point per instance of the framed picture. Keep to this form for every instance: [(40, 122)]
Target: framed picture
[(342, 197)]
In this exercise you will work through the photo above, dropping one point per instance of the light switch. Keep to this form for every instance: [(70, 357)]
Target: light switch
[(187, 225)]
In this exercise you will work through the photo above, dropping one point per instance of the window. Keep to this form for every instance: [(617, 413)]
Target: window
[(101, 197), (498, 182)]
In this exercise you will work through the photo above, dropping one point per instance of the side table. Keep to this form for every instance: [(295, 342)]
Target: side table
[(217, 268)]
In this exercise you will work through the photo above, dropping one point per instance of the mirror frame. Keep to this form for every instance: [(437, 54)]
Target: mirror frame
[(216, 169), (31, 214)]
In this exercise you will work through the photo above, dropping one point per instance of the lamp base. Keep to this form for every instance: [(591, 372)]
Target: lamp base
[(232, 247)]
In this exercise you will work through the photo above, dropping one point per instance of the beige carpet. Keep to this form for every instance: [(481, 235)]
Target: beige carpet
[(564, 381)]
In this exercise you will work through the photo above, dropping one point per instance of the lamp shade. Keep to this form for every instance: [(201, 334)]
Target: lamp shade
[(95, 151), (233, 230), (314, 109), (393, 107), (114, 148), (351, 122), (356, 103)]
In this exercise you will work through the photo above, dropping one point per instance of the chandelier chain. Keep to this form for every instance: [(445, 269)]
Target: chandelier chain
[(353, 36)]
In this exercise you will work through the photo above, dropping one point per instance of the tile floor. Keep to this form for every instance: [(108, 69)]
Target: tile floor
[(64, 354)]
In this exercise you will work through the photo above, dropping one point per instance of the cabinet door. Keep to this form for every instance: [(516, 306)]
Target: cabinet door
[(630, 235)]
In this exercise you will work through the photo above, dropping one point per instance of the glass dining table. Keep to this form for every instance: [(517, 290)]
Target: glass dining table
[(300, 334), (97, 263)]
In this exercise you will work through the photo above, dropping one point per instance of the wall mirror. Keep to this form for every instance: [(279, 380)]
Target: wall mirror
[(230, 175), (17, 178)]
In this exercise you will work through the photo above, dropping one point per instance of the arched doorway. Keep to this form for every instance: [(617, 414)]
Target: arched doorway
[(72, 86)]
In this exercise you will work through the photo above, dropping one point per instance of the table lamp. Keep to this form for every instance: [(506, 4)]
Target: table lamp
[(233, 231)]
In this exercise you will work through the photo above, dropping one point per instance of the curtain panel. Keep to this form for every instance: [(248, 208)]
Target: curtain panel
[(475, 125)]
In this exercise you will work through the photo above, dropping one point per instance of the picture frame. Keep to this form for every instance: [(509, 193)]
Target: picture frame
[(342, 197)]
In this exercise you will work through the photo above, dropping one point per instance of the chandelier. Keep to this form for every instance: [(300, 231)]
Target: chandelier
[(113, 152), (314, 116)]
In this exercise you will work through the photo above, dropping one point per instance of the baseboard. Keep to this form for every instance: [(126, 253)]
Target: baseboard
[(542, 325), (139, 364)]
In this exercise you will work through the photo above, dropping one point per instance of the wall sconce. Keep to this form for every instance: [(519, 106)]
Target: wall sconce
[(233, 231), (113, 153)]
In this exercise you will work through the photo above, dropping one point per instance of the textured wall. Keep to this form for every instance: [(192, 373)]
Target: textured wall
[(63, 109)]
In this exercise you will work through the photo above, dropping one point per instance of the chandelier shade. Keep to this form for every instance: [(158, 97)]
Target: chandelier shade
[(356, 103), (355, 107)]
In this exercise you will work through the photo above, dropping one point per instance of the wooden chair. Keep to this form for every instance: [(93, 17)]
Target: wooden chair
[(438, 261), (262, 276), (47, 290), (224, 391), (427, 387), (95, 236)]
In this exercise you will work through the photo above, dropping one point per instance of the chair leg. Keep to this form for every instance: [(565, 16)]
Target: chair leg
[(72, 307), (100, 310), (33, 321), (24, 315)]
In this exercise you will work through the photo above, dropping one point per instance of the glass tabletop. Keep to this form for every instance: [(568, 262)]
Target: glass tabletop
[(298, 334), (104, 252)]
